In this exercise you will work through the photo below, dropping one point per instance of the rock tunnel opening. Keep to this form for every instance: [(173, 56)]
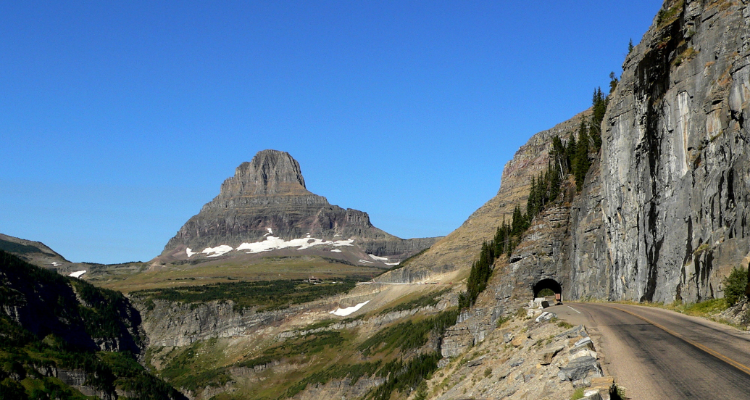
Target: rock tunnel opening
[(545, 286)]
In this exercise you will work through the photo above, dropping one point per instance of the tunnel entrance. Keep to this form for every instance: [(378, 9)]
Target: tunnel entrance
[(548, 287)]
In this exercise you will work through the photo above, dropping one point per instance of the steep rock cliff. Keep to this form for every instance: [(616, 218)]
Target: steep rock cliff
[(175, 324), (663, 211), (674, 176)]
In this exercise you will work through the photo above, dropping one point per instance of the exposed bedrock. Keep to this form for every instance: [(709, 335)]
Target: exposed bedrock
[(675, 168), (663, 213)]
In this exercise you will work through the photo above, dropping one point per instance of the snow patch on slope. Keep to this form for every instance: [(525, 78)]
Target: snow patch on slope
[(77, 274), (275, 243), (218, 250), (343, 312)]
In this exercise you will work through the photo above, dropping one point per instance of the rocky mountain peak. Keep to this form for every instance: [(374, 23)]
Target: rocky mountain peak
[(267, 196), (270, 173)]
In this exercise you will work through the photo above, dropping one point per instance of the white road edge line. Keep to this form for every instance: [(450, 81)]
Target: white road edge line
[(574, 309)]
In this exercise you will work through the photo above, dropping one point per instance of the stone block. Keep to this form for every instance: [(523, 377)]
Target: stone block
[(545, 316), (579, 369), (582, 353), (518, 341), (578, 332), (582, 343), (603, 383), (592, 395), (549, 353)]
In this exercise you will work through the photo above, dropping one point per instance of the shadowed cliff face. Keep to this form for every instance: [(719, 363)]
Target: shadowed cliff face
[(267, 197), (44, 302)]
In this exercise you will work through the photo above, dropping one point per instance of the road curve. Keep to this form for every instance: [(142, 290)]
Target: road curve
[(658, 354)]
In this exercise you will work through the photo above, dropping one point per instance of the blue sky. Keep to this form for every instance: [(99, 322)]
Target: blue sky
[(120, 119)]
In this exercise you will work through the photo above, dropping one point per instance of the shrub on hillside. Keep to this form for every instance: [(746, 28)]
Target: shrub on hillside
[(734, 285)]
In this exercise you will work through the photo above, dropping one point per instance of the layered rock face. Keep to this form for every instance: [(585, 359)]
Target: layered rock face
[(663, 212), (267, 196), (674, 162), (174, 324)]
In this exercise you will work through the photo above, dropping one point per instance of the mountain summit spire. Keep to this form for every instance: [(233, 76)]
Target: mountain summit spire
[(271, 172)]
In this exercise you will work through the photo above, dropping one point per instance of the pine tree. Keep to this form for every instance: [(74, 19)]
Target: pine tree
[(499, 240), (582, 156), (596, 138), (559, 156), (517, 223), (570, 152), (531, 201), (613, 81), (555, 182), (599, 106), (630, 46)]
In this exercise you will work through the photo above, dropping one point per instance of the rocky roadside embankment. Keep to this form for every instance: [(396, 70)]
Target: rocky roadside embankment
[(527, 357)]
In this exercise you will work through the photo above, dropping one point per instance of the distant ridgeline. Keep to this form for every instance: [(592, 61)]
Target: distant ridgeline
[(17, 247), (572, 158), (64, 338)]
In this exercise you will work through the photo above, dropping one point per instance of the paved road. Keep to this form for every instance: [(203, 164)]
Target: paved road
[(657, 354)]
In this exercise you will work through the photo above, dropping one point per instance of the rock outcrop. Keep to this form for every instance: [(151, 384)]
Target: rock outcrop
[(523, 359), (671, 221), (460, 248), (267, 197), (663, 212)]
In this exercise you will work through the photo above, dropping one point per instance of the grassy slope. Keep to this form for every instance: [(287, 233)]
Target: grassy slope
[(264, 295), (267, 268)]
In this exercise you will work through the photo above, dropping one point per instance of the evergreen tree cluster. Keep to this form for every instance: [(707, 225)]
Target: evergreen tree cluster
[(544, 188), (589, 137), (480, 274)]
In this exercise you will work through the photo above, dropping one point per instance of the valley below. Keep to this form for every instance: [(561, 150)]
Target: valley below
[(271, 292)]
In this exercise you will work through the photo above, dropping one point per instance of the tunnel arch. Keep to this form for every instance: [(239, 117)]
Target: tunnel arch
[(547, 284)]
